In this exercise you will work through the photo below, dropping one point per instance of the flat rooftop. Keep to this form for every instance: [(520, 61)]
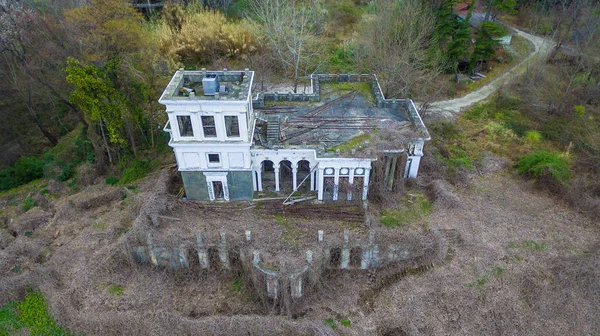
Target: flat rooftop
[(187, 85), (347, 114)]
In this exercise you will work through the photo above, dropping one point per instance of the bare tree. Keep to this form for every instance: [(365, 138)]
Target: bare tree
[(398, 47), (290, 29)]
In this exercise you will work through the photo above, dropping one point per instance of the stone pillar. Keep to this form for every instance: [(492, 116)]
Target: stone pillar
[(248, 235), (366, 184), (254, 183), (415, 152), (259, 179), (336, 183), (345, 252), (320, 184), (309, 256), (390, 170), (295, 177), (277, 178), (412, 166), (272, 285), (312, 178), (367, 253), (202, 252), (150, 242), (224, 251), (296, 286)]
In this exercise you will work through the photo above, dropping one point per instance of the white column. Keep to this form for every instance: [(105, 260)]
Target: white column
[(254, 183), (277, 178), (336, 183), (313, 181), (320, 184), (295, 176), (259, 178), (225, 190), (366, 184), (211, 192)]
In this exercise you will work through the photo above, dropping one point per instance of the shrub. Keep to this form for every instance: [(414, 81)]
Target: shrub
[(542, 163), (136, 170), (342, 59), (344, 12), (28, 203), (115, 290), (414, 208), (330, 322), (66, 172), (533, 137), (33, 314), (498, 131), (111, 180), (579, 110), (205, 36)]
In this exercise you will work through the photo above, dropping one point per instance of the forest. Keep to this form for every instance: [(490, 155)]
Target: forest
[(93, 70)]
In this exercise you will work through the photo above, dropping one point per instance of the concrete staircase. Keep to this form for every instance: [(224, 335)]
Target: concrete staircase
[(273, 129)]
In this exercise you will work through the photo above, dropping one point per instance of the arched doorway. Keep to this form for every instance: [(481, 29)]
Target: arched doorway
[(286, 176), (303, 172), (268, 175)]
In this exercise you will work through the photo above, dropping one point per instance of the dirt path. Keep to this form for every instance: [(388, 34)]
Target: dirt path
[(450, 109)]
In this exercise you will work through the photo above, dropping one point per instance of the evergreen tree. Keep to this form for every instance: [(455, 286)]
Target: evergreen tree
[(486, 43)]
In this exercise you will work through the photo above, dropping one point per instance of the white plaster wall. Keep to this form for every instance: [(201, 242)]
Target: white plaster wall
[(193, 157), (278, 155)]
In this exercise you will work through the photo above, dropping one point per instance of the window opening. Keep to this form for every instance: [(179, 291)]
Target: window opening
[(185, 126), (214, 158), (232, 126), (208, 125)]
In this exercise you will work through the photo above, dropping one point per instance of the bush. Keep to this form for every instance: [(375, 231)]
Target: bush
[(31, 313), (542, 163), (136, 170), (533, 137), (111, 180), (204, 36), (344, 12)]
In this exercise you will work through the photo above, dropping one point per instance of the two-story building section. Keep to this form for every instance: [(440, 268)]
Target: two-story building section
[(227, 150)]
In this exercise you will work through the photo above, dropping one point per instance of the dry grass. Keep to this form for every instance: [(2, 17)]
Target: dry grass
[(522, 268)]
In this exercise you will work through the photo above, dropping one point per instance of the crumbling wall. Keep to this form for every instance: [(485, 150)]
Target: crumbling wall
[(363, 252)]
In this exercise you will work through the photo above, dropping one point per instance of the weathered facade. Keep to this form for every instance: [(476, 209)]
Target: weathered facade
[(228, 144)]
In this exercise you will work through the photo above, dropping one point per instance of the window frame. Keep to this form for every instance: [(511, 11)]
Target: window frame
[(205, 127), (179, 125), (213, 164), (239, 131)]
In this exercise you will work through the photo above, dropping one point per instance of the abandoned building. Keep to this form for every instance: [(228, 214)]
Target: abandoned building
[(230, 144)]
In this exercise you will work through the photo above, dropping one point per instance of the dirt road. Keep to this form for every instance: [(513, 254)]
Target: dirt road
[(450, 109)]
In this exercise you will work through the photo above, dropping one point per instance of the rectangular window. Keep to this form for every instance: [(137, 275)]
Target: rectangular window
[(208, 125), (214, 158), (232, 126), (185, 126)]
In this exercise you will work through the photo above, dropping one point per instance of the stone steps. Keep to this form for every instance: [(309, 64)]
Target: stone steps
[(273, 129)]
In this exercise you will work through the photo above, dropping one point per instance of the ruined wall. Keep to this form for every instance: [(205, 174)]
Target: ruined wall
[(194, 183), (360, 253), (239, 184)]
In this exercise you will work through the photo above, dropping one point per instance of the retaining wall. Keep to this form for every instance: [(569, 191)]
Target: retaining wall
[(349, 254)]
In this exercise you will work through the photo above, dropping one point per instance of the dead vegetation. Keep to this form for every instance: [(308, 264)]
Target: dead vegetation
[(517, 267)]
